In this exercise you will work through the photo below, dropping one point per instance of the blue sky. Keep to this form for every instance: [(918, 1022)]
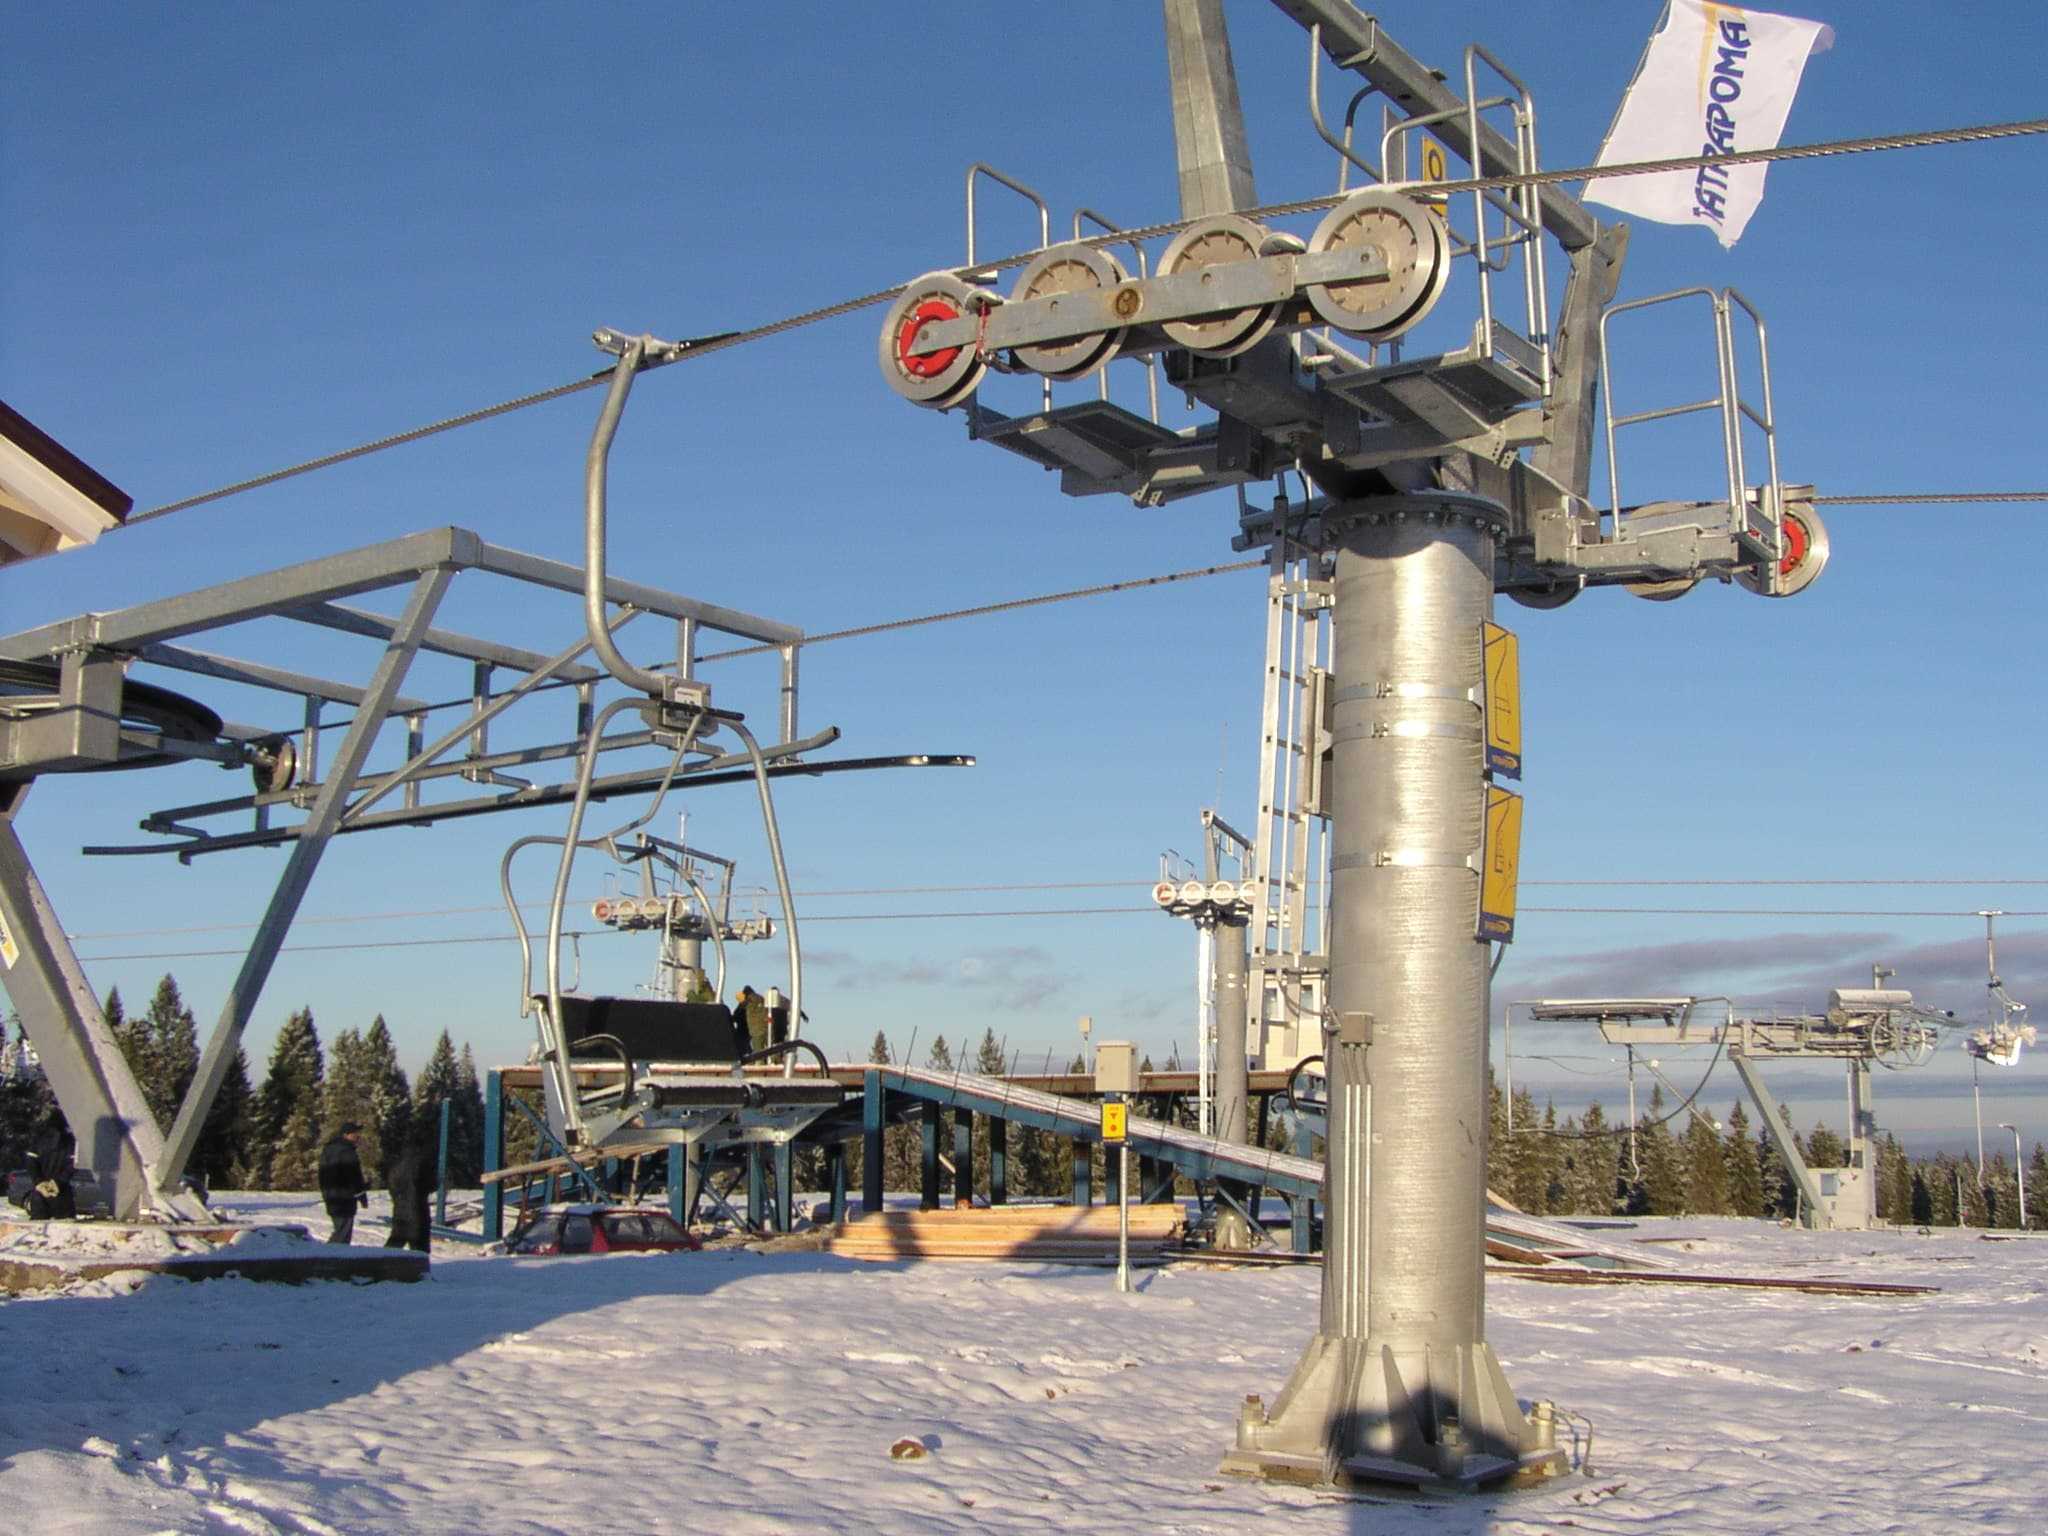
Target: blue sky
[(241, 236)]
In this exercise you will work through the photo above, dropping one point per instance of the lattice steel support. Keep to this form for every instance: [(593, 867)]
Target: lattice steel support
[(1399, 1383)]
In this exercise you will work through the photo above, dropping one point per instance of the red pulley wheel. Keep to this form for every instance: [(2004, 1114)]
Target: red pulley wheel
[(1795, 546), (931, 364), (941, 379)]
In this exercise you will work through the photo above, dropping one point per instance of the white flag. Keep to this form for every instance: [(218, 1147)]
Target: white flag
[(1715, 79)]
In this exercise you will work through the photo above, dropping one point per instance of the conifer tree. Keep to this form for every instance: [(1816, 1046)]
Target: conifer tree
[(2001, 1193), (1520, 1158), (1745, 1173), (1923, 1199), (1943, 1180), (466, 1125), (295, 1158), (28, 1109), (1595, 1164), (1498, 1173), (1894, 1182), (1976, 1210), (1556, 1196), (390, 1094), (132, 1036), (1663, 1181), (438, 1083), (2037, 1188), (1781, 1190), (297, 1073), (435, 1082), (941, 1057), (1706, 1169), (346, 1099), (226, 1152), (989, 1062), (1824, 1149), (899, 1142), (173, 1052)]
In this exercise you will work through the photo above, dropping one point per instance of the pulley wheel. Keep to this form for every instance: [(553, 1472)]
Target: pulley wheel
[(936, 379), (1412, 243), (1070, 269), (273, 764), (1661, 591), (1806, 554), (1213, 243), (1556, 595)]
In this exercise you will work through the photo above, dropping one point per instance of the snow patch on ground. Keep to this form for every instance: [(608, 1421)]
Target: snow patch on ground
[(756, 1393)]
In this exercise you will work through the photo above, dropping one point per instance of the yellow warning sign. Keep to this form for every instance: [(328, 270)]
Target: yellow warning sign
[(1434, 166), (1503, 702), (1503, 855), (1115, 1117), (9, 950)]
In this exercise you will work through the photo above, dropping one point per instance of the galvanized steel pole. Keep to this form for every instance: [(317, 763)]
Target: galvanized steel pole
[(1399, 1383), (1233, 1077)]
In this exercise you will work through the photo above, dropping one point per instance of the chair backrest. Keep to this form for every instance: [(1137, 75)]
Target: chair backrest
[(653, 1030)]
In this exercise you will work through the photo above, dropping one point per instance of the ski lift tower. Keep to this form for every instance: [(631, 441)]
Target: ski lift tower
[(1437, 479), (1862, 1026), (2005, 1030)]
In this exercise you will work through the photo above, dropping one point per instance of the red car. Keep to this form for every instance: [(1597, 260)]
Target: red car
[(599, 1229)]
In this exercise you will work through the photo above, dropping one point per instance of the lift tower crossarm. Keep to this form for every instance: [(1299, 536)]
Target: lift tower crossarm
[(1356, 41), (1208, 122)]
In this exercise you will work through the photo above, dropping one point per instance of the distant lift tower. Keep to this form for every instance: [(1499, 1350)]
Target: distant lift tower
[(1862, 1025), (1433, 478), (1221, 911)]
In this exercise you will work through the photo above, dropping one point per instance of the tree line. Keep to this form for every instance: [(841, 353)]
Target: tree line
[(269, 1136), (1679, 1163)]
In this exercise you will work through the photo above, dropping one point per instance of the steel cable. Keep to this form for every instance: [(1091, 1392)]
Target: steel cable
[(703, 346)]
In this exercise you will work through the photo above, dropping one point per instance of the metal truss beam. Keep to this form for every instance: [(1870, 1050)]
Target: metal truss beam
[(314, 833), (1356, 41)]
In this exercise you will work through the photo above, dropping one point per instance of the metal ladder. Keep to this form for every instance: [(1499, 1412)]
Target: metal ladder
[(1291, 840)]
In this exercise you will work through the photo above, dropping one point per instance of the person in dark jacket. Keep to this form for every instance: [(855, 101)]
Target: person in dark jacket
[(343, 1189), (50, 1194), (414, 1176), (751, 1008)]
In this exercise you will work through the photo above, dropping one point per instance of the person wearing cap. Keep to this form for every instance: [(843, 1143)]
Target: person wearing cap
[(343, 1189)]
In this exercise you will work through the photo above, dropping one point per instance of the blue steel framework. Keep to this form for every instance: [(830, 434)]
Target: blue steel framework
[(887, 1095)]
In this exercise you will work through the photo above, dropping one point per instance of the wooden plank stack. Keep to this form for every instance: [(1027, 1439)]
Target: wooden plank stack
[(1036, 1234)]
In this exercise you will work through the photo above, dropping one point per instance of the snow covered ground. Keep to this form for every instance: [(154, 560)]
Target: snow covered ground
[(743, 1392)]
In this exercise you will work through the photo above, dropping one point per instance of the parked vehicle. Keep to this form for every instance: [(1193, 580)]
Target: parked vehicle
[(583, 1228)]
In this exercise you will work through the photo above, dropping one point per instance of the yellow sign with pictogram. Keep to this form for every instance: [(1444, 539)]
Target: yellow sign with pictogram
[(1503, 701), (1115, 1119), (1502, 866)]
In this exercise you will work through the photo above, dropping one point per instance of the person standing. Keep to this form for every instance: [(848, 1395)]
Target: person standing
[(751, 1008), (343, 1189), (414, 1177)]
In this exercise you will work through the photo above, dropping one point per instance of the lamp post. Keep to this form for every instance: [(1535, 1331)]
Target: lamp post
[(2019, 1169)]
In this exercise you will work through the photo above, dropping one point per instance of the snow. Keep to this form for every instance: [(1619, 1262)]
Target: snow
[(751, 1392)]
